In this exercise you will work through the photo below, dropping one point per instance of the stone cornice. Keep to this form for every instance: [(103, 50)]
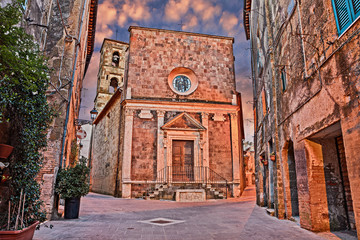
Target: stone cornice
[(179, 106)]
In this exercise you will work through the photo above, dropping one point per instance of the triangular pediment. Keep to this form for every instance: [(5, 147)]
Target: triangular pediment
[(183, 121)]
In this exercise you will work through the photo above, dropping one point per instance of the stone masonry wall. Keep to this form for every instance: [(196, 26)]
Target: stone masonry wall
[(60, 51), (320, 66), (143, 163), (105, 151), (155, 53), (220, 159), (109, 70)]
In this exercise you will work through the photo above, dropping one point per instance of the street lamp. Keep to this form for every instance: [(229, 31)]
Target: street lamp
[(93, 114)]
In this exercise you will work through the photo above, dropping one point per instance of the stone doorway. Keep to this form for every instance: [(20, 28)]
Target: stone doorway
[(182, 160), (326, 150), (292, 180)]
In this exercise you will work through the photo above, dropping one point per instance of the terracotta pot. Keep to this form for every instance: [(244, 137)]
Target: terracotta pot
[(25, 234), (5, 150), (272, 157)]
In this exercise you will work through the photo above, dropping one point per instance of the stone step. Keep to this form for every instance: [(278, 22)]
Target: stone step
[(270, 211)]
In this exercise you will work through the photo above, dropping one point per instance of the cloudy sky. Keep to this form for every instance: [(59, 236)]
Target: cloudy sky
[(218, 17)]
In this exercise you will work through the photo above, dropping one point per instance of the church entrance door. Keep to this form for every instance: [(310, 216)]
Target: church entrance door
[(182, 161)]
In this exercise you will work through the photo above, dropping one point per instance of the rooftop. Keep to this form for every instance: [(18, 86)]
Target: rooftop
[(180, 32)]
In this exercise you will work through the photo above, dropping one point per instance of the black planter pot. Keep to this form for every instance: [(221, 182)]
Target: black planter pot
[(72, 207)]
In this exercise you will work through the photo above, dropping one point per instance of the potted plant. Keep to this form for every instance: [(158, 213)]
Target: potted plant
[(71, 184), (5, 150), (272, 156), (264, 161)]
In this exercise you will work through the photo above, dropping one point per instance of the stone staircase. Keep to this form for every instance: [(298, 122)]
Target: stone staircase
[(168, 192)]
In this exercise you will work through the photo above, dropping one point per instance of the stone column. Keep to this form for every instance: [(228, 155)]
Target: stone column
[(126, 164), (319, 218), (205, 123), (235, 153), (160, 142)]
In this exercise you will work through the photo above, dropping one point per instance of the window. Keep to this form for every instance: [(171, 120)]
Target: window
[(115, 59), (181, 83), (283, 79), (113, 85), (346, 12)]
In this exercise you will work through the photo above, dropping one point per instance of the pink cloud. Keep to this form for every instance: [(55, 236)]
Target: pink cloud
[(191, 22), (206, 9), (229, 22), (176, 9)]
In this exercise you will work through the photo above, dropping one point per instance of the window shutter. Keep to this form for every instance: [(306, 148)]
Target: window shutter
[(356, 6), (342, 14)]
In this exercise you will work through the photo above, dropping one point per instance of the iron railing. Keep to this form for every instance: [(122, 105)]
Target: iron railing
[(190, 174)]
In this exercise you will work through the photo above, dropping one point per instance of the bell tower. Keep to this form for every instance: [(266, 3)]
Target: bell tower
[(111, 71)]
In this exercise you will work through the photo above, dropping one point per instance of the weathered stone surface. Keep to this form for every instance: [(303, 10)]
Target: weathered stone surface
[(306, 96), (60, 46), (190, 195)]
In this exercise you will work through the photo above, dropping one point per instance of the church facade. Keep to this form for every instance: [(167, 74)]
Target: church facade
[(175, 118)]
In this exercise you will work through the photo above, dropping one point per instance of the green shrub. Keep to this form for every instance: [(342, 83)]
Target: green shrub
[(24, 79), (73, 181)]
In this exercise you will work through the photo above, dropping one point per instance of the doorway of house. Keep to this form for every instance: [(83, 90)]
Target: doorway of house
[(182, 160), (293, 180)]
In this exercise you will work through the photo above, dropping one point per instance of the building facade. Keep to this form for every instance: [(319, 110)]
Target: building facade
[(305, 71), (176, 118), (65, 32)]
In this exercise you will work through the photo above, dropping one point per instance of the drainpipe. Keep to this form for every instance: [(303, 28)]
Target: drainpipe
[(71, 88)]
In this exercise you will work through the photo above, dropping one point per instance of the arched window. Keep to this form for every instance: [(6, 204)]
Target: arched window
[(113, 85), (115, 59)]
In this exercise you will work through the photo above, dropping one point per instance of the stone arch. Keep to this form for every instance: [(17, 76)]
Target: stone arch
[(114, 83), (115, 59)]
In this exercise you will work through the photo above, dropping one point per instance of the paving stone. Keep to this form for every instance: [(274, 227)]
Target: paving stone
[(109, 218)]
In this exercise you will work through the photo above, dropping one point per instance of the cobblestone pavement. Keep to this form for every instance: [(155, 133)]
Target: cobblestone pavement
[(105, 217)]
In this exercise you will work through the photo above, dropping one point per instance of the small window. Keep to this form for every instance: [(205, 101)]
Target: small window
[(115, 59), (113, 85), (283, 79), (346, 12)]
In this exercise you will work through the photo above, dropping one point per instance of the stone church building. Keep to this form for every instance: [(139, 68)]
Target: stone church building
[(169, 114)]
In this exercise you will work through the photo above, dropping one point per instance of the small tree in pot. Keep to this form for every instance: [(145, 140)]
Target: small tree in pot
[(72, 183)]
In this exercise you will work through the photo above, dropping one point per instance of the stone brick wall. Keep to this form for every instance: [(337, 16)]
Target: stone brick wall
[(220, 159), (143, 164), (60, 51), (105, 153), (108, 70), (155, 53), (320, 98)]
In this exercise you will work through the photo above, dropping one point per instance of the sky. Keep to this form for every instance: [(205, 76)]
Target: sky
[(216, 17)]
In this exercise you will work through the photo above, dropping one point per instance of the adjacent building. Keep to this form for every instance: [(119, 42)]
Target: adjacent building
[(174, 117), (305, 71), (65, 32)]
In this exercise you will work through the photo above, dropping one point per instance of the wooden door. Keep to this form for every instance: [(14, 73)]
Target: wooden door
[(183, 160)]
